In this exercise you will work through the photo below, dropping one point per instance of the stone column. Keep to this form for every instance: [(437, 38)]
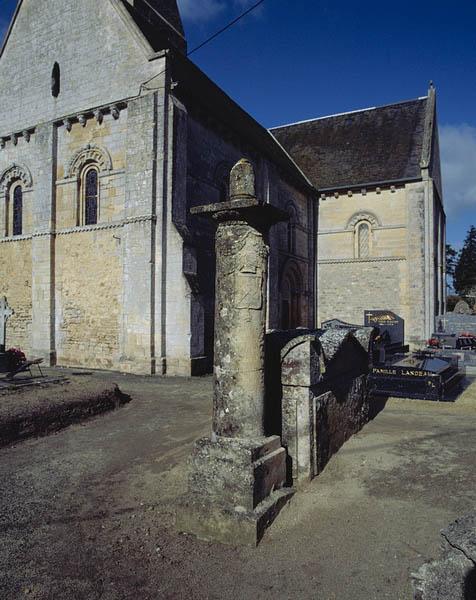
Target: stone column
[(240, 314), (237, 476)]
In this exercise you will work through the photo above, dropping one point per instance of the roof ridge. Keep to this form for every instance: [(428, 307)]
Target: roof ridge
[(350, 112)]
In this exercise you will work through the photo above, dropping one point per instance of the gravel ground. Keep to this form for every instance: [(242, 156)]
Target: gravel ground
[(88, 513)]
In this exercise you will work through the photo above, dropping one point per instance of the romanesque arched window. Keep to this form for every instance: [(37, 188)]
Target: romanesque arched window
[(292, 295), (362, 232), (88, 166), (17, 210), (362, 225), (90, 195), (14, 183)]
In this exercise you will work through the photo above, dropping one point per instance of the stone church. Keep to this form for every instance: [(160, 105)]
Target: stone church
[(109, 134), (381, 218)]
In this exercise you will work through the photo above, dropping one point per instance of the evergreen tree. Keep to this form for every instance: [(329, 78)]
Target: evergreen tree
[(464, 279), (451, 260)]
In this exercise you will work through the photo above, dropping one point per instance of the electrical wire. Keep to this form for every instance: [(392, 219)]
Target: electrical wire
[(208, 40), (223, 29)]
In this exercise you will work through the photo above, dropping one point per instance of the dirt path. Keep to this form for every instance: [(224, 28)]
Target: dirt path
[(88, 513)]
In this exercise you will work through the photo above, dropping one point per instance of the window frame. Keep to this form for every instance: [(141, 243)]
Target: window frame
[(17, 185), (357, 232), (82, 214)]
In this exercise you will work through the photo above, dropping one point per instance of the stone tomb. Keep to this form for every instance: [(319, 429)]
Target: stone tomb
[(237, 476), (324, 398)]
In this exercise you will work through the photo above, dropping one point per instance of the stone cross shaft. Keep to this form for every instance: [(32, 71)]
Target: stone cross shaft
[(5, 313), (240, 305)]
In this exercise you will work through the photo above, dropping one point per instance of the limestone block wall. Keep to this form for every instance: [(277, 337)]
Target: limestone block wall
[(393, 269), (88, 279), (293, 248), (21, 161), (386, 212), (417, 276), (15, 284), (101, 60), (104, 140), (347, 289)]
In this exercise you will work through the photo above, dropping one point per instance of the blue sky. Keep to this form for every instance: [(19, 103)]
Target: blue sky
[(300, 59)]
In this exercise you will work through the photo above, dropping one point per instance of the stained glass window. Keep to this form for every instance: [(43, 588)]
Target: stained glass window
[(364, 240), (17, 211), (91, 197)]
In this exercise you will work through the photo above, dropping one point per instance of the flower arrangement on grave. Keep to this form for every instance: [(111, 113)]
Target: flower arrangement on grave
[(15, 358)]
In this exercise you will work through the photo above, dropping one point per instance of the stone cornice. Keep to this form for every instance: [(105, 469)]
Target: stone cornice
[(102, 174), (97, 112), (373, 259), (376, 228), (83, 228)]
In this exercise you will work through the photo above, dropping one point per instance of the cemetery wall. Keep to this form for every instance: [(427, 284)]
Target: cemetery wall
[(15, 276)]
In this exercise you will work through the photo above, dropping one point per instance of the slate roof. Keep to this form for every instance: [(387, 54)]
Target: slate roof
[(157, 31), (362, 147)]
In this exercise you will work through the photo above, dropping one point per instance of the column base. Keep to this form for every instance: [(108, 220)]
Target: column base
[(235, 489)]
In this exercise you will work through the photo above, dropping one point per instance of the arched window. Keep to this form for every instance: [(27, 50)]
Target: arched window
[(363, 239), (291, 229), (291, 299), (17, 210), (90, 195)]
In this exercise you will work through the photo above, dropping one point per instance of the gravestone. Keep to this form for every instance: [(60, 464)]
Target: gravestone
[(5, 313), (462, 308), (237, 475), (388, 323), (324, 396)]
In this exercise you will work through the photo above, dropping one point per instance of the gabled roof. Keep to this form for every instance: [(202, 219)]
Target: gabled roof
[(157, 20), (194, 88), (373, 145)]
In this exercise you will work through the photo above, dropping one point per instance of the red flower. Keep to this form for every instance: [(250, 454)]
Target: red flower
[(15, 358)]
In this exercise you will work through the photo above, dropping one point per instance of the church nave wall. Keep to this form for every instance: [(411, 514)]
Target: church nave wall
[(15, 284), (100, 144), (88, 284)]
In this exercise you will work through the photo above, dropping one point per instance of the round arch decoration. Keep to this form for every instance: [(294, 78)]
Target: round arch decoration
[(89, 154), (291, 292), (363, 216), (15, 173), (293, 212)]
